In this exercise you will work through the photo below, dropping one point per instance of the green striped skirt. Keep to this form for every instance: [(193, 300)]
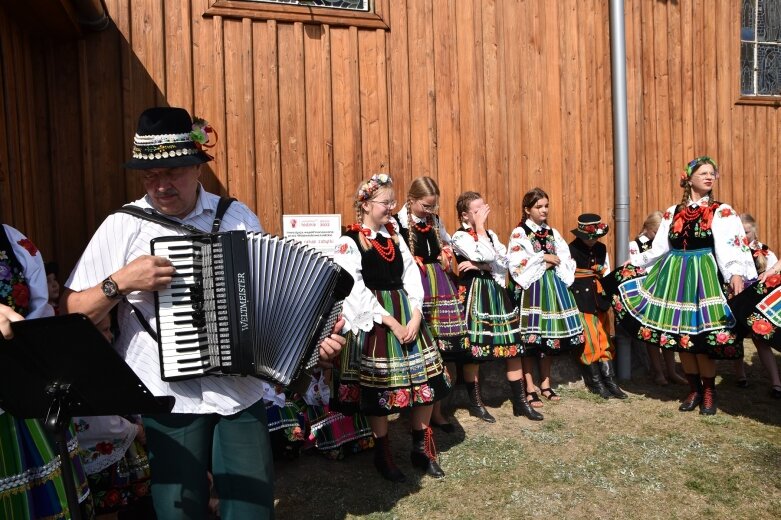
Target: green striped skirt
[(31, 484), (678, 304), (380, 376), (550, 319), (492, 320)]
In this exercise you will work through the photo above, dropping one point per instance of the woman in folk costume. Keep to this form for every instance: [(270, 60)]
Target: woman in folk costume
[(491, 317), (542, 270), (642, 243), (391, 362), (429, 244), (31, 483), (679, 303), (761, 321), (592, 263)]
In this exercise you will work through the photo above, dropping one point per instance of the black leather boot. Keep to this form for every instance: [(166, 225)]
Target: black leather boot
[(593, 377), (424, 454), (476, 407), (609, 379), (695, 393), (383, 460), (708, 404), (520, 405)]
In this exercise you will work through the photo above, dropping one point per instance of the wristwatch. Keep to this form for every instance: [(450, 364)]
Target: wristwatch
[(110, 289)]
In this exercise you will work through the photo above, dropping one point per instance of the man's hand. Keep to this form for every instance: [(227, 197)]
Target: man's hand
[(8, 316), (332, 345), (145, 273)]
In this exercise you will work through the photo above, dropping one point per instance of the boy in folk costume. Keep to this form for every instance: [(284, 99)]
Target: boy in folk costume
[(593, 262)]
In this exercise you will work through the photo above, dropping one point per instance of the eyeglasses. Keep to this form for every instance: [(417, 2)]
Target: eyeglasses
[(390, 204), (429, 208)]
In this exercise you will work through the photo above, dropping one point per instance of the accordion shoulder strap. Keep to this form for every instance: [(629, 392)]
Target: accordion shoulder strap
[(142, 320), (142, 213), (222, 207), (136, 211)]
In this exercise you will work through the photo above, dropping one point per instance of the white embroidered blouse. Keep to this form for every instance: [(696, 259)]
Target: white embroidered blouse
[(527, 265)]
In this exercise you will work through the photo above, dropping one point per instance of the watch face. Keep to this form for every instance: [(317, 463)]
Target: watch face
[(109, 288)]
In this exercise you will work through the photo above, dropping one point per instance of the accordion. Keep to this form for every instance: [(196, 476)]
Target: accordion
[(244, 303)]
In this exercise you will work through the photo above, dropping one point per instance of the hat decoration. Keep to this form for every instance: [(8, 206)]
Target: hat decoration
[(590, 226), (167, 137)]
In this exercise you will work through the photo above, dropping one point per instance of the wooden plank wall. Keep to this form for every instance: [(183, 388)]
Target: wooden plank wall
[(496, 96)]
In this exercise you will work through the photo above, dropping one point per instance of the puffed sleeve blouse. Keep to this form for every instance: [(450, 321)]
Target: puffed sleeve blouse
[(361, 308), (730, 245), (527, 265), (484, 250)]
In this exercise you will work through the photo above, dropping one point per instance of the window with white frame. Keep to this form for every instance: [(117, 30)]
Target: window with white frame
[(351, 5), (760, 48)]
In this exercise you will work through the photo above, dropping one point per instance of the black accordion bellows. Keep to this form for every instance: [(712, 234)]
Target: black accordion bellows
[(245, 303)]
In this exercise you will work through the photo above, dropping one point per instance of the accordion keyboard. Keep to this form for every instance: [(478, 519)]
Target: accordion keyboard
[(183, 332)]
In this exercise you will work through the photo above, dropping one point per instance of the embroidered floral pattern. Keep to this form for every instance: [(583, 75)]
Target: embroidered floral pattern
[(726, 212), (405, 397), (29, 246), (13, 287)]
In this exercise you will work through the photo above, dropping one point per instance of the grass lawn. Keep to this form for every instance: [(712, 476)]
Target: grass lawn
[(589, 458)]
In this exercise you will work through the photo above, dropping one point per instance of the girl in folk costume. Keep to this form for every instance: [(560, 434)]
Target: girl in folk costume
[(390, 362), (760, 318), (592, 263), (429, 245), (31, 482), (641, 244), (679, 303), (542, 270), (491, 317)]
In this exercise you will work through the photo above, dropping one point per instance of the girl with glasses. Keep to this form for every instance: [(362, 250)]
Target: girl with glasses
[(391, 362), (429, 245), (672, 294)]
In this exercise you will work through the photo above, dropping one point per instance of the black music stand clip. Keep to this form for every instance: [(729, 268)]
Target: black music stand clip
[(60, 367)]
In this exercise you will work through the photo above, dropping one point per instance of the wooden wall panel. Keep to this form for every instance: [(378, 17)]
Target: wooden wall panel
[(496, 96)]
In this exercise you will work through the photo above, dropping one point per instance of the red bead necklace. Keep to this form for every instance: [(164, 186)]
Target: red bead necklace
[(425, 228), (388, 251)]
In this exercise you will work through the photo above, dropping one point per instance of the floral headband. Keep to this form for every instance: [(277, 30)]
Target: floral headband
[(694, 163), (377, 181)]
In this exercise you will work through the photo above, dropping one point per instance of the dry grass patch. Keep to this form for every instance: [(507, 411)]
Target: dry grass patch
[(589, 458)]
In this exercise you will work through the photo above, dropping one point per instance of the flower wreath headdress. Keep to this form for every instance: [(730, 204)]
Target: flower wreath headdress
[(694, 163), (368, 188)]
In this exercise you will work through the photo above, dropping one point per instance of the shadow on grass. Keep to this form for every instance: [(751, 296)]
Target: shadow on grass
[(329, 489)]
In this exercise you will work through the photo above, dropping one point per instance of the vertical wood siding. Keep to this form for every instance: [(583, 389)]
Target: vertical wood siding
[(496, 96)]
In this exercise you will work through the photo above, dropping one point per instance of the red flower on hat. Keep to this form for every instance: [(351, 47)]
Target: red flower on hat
[(590, 228)]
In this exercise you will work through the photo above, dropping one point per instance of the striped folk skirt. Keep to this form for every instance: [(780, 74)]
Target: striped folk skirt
[(678, 305), (492, 320), (443, 312), (550, 319), (31, 484), (379, 375), (758, 311)]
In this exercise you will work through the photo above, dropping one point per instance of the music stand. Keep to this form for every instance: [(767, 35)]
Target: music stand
[(60, 367)]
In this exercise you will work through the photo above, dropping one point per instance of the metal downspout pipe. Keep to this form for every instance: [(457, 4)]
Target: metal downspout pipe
[(620, 163)]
